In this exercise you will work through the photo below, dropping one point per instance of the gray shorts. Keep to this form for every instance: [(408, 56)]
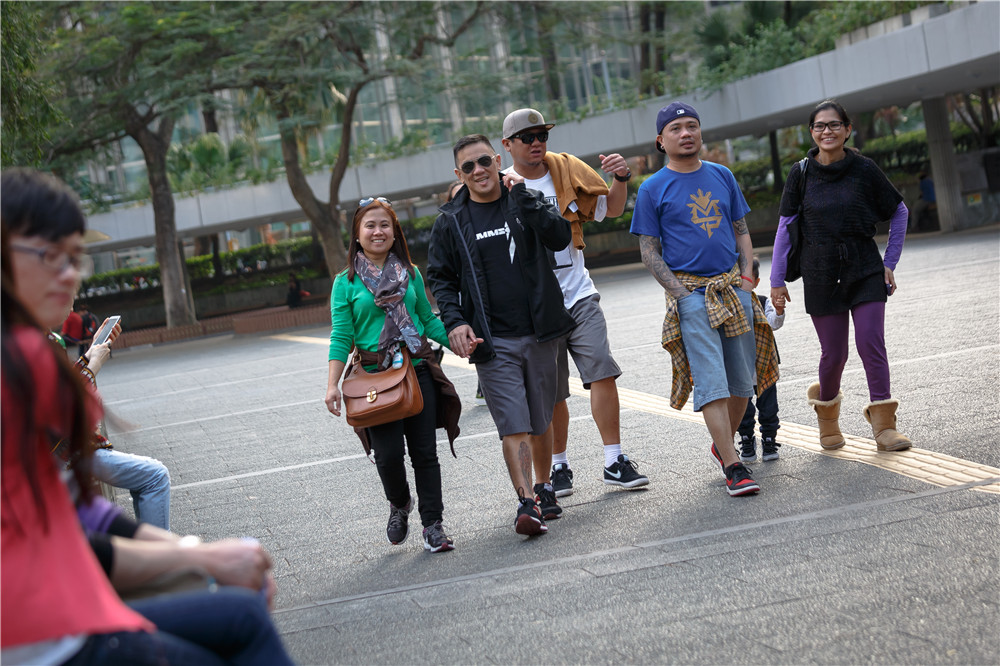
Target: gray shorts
[(520, 384), (588, 343)]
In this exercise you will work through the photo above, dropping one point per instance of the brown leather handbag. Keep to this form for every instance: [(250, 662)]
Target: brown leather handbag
[(374, 398)]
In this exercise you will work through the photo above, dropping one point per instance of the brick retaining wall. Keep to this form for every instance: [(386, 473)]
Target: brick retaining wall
[(269, 319)]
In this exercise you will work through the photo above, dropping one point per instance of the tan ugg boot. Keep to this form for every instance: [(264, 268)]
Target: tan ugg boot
[(828, 413), (882, 415)]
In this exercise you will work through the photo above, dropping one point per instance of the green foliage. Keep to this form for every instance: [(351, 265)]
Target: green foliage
[(27, 112), (907, 152), (765, 42), (752, 174)]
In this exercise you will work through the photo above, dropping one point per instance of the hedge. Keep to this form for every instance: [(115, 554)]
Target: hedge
[(291, 252)]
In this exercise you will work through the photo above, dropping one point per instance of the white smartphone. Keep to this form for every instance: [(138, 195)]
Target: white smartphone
[(102, 334)]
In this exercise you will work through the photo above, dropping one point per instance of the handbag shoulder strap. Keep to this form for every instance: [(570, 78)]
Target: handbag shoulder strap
[(803, 163)]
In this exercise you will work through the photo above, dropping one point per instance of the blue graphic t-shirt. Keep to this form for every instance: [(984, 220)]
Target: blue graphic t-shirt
[(692, 214)]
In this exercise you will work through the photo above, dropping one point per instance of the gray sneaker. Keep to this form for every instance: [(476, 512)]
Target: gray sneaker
[(748, 448), (435, 540), (399, 523), (769, 449)]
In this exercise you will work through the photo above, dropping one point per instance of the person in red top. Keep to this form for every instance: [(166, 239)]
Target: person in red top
[(72, 330), (58, 606)]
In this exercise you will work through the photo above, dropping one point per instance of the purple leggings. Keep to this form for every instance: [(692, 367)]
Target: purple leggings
[(869, 338)]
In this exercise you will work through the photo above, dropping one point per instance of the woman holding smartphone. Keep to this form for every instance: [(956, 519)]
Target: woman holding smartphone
[(379, 305), (844, 276)]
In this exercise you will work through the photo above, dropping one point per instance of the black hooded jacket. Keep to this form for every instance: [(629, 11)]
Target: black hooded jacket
[(455, 270)]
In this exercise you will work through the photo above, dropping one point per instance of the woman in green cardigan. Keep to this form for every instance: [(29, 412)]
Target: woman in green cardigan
[(379, 304)]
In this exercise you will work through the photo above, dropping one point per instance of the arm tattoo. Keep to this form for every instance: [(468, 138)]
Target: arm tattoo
[(744, 268), (652, 256), (740, 226)]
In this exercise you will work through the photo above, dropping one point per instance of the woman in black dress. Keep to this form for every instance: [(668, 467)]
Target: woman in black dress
[(846, 195)]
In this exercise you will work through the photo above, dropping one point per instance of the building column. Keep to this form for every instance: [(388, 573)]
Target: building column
[(941, 149), (390, 113)]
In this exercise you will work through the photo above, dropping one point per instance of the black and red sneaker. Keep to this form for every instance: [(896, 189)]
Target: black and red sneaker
[(718, 458), (545, 499), (528, 520), (739, 481)]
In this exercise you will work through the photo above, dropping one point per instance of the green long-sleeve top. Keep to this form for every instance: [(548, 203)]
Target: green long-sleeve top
[(356, 320)]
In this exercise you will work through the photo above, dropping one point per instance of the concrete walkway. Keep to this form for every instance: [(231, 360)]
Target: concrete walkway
[(842, 558)]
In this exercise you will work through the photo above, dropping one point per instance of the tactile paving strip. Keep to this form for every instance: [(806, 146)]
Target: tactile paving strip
[(927, 466), (937, 469)]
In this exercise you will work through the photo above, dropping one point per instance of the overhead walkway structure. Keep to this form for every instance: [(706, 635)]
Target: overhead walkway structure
[(954, 52)]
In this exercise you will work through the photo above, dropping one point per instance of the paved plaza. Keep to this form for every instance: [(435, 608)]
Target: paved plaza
[(842, 558)]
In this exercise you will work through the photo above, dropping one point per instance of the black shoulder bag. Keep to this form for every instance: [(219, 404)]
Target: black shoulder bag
[(793, 270)]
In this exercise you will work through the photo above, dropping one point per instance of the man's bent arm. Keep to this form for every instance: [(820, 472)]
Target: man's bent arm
[(552, 228), (652, 257)]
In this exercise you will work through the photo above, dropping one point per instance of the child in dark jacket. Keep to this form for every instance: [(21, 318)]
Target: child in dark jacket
[(767, 402)]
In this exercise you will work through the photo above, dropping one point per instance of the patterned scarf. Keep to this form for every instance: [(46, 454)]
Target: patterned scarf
[(388, 286)]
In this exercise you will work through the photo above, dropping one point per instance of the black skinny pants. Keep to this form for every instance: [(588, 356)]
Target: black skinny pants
[(421, 442)]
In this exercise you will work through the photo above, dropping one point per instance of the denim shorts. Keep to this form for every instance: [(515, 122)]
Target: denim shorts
[(720, 366)]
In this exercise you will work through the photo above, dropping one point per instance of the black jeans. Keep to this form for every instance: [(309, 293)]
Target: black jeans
[(767, 405), (421, 442)]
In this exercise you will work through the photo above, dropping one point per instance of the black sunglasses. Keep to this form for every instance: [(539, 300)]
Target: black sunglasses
[(530, 138), (368, 200), (483, 160)]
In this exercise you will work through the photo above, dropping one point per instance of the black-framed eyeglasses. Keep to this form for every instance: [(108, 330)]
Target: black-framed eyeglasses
[(819, 127), (59, 260), (369, 200), (529, 138), (483, 160)]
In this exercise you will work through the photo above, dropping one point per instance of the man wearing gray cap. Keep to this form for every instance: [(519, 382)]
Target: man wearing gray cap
[(581, 195), (689, 217)]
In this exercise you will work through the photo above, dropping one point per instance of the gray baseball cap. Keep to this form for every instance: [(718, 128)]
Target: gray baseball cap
[(523, 119)]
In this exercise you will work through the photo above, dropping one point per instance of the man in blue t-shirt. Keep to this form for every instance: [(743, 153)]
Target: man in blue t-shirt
[(689, 217)]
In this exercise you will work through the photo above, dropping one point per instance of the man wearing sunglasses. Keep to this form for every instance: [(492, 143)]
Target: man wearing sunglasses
[(489, 269), (581, 195)]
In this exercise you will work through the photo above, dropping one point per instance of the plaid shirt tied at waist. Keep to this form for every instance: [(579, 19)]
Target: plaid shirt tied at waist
[(725, 310)]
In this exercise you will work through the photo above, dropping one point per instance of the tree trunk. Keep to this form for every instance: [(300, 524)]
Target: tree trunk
[(779, 182), (216, 259), (986, 98), (177, 299), (322, 216)]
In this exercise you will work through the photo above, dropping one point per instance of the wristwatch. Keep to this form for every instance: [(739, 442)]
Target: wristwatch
[(625, 178)]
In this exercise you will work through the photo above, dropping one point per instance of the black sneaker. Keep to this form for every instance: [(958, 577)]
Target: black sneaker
[(748, 448), (561, 479), (435, 540), (769, 448), (546, 499), (399, 523), (624, 473), (739, 481), (528, 520)]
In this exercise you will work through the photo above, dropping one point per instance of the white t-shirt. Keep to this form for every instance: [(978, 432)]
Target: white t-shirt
[(574, 279)]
